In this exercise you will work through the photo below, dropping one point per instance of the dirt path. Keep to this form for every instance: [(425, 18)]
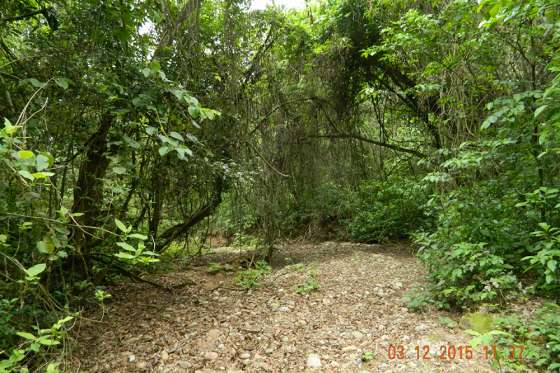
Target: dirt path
[(209, 327)]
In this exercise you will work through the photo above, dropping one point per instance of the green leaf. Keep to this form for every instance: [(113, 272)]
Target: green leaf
[(155, 66), (53, 368), (26, 174), (164, 150), (124, 256), (42, 247), (36, 269), (194, 111), (121, 225), (489, 121), (42, 175), (47, 341), (25, 154), (62, 82), (146, 72), (119, 170), (151, 130), (177, 136), (182, 150), (138, 236), (26, 335), (41, 162), (37, 84), (539, 110), (126, 246)]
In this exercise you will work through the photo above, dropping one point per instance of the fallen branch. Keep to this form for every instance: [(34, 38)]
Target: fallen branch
[(126, 272)]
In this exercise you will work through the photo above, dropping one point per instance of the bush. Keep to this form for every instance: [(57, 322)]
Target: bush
[(485, 239), (465, 273), (390, 209)]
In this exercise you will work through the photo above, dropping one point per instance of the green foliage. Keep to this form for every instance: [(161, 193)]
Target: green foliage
[(367, 357), (546, 257), (418, 299), (387, 210), (35, 343), (101, 295), (246, 241), (539, 337), (310, 285), (130, 254), (251, 277), (214, 268), (466, 273)]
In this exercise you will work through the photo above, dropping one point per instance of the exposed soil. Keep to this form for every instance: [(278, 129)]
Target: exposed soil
[(213, 326)]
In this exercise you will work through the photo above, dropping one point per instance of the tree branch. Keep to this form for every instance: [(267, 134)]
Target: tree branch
[(371, 141)]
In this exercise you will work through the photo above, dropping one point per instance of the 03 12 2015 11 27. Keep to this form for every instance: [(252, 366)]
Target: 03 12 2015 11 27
[(452, 352)]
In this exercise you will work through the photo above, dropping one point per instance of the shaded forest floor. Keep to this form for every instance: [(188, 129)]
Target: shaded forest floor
[(211, 325)]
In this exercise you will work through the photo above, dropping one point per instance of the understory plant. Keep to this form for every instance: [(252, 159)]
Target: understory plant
[(525, 343), (252, 277)]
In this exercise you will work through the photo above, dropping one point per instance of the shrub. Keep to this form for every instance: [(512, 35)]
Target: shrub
[(465, 273), (390, 209), (250, 278), (310, 285)]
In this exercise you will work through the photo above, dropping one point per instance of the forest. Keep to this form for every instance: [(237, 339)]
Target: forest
[(346, 186)]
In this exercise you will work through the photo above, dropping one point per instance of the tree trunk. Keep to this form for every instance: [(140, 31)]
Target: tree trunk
[(88, 191)]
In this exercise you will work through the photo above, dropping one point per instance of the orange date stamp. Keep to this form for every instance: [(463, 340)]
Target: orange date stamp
[(453, 352)]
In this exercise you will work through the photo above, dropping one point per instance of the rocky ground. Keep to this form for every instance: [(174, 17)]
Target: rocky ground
[(355, 322)]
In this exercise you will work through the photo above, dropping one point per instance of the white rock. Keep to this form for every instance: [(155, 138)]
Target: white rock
[(131, 358), (211, 355), (313, 361), (245, 355)]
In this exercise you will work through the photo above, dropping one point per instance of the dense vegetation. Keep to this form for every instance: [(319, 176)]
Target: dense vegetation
[(131, 127)]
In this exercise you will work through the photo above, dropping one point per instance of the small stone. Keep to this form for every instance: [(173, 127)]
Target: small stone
[(313, 361), (283, 309), (211, 355), (357, 335), (131, 358), (421, 328), (184, 364), (349, 348), (164, 355), (141, 365), (245, 355)]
